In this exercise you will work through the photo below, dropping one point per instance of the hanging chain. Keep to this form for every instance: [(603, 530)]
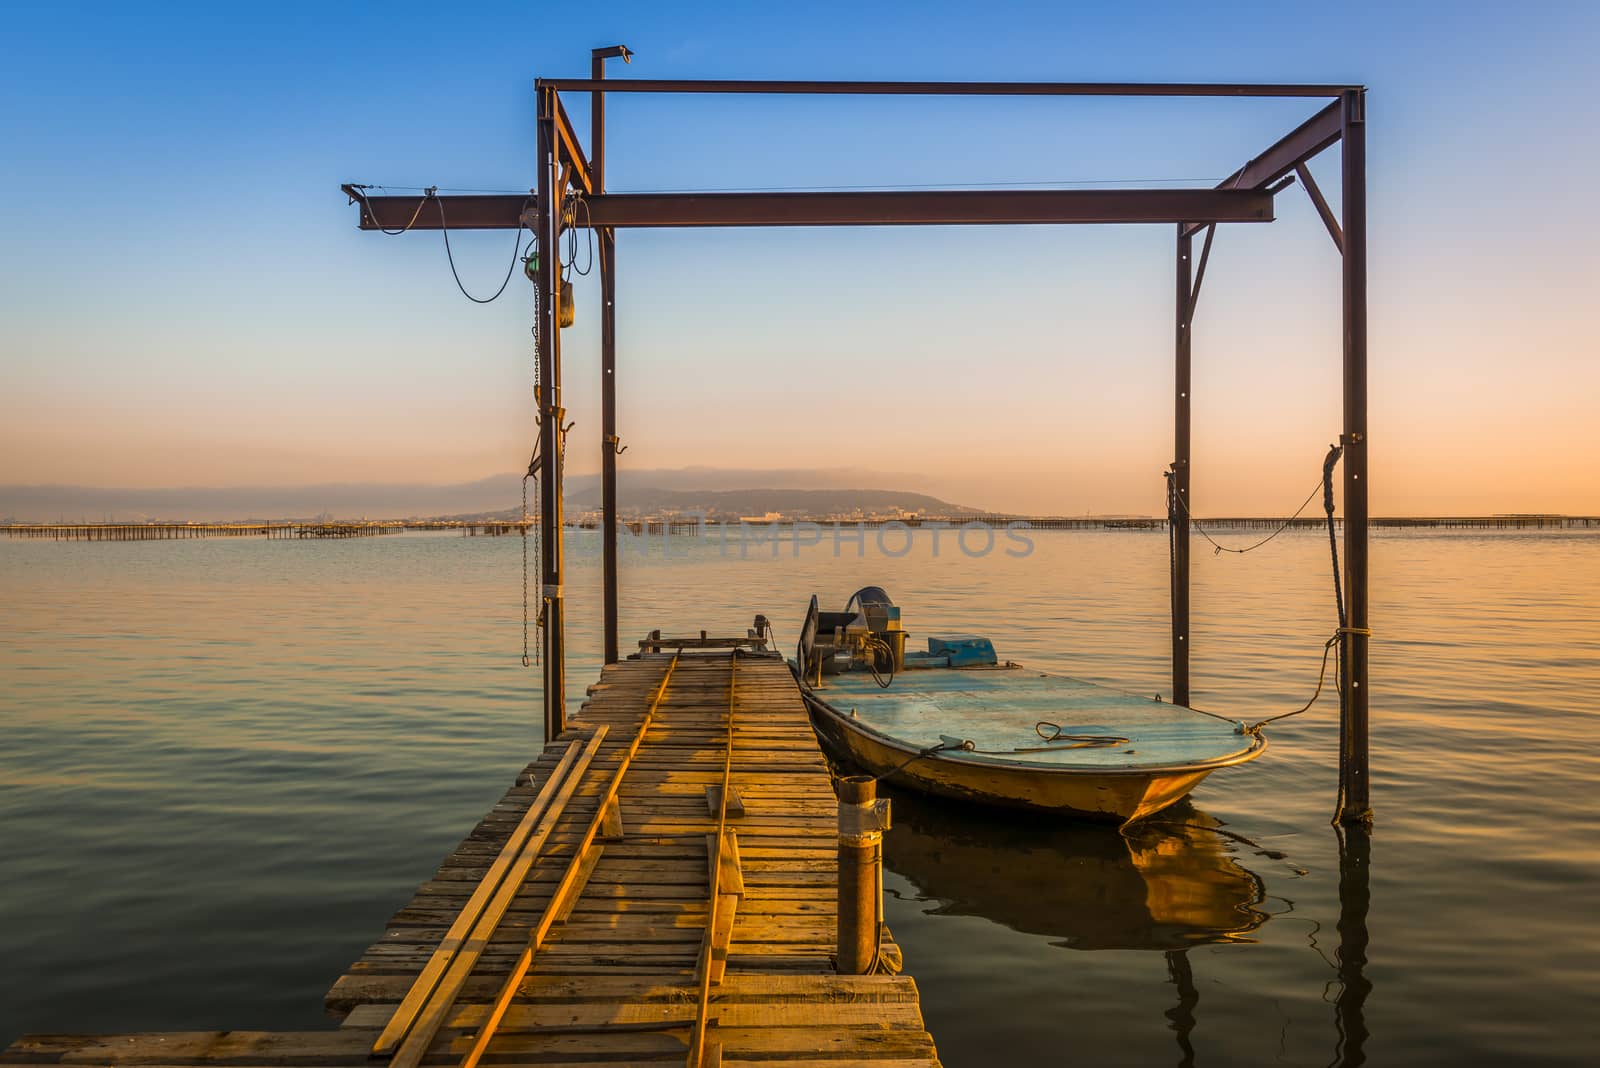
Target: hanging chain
[(526, 659), (531, 269)]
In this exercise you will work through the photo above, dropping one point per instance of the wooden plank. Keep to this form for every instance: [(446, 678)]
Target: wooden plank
[(585, 871), (729, 874), (735, 805), (525, 960), (611, 829), (467, 919), (420, 1036), (717, 937)]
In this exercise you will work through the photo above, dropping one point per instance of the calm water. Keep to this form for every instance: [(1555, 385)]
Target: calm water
[(225, 763)]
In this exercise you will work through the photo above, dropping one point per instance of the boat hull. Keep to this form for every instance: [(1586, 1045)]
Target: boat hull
[(1111, 795)]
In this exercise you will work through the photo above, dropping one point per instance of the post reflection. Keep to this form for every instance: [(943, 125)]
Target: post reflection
[(1181, 1015), (1355, 898)]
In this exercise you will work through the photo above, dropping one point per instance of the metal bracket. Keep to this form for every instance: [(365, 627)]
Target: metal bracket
[(863, 824), (616, 444)]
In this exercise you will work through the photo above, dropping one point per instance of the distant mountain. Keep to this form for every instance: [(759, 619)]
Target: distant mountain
[(725, 491), (754, 502)]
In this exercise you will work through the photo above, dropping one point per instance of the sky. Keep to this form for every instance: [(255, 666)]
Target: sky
[(185, 298)]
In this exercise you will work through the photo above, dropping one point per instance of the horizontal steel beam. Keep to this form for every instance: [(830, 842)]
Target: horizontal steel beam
[(910, 208), (647, 85), (1295, 147), (448, 212)]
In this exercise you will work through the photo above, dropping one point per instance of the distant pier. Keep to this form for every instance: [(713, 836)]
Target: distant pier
[(184, 531)]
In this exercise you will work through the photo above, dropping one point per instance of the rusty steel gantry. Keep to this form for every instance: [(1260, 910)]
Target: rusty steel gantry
[(566, 171)]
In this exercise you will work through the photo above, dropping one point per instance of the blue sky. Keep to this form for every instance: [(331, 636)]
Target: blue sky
[(186, 301)]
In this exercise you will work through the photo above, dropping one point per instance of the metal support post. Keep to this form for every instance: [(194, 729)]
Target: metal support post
[(1180, 471), (547, 218), (1355, 797), (609, 444)]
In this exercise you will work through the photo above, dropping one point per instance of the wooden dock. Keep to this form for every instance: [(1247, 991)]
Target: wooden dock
[(660, 886)]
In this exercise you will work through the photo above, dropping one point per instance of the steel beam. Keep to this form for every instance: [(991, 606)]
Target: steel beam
[(547, 228), (814, 88), (464, 212), (1297, 146), (608, 366), (1355, 798), (1321, 204), (963, 207), (931, 207), (1184, 304), (572, 150)]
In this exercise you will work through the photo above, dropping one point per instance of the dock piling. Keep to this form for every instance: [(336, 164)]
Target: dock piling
[(862, 821)]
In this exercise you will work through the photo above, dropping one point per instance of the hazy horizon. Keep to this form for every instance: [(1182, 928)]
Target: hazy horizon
[(52, 502)]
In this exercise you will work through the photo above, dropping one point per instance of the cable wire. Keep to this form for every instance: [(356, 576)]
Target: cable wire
[(516, 255)]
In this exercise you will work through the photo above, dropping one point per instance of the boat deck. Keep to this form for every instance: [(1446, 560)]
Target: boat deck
[(1010, 714), (611, 911)]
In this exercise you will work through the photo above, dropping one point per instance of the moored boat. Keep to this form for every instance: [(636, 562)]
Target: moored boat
[(955, 721)]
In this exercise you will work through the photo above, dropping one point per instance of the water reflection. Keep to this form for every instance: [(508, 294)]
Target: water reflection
[(1355, 897), (1162, 887)]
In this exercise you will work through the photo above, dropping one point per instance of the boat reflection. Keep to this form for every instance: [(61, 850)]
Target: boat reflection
[(1164, 885)]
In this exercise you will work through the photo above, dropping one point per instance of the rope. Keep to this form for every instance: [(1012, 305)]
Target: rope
[(1074, 741), (963, 746), (873, 645), (1174, 498), (1334, 646)]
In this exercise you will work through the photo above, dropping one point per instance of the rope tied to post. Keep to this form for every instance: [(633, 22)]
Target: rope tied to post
[(1335, 645), (947, 745)]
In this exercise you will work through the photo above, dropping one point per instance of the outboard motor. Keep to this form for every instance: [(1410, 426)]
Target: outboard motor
[(865, 636), (883, 624)]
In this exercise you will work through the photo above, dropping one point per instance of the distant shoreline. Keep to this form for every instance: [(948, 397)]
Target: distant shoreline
[(692, 525)]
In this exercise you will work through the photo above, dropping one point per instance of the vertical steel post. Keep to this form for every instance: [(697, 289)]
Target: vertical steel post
[(550, 416), (608, 365), (1180, 470), (1355, 798)]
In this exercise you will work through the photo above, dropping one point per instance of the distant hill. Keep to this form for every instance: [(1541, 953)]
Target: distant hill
[(724, 491), (742, 502)]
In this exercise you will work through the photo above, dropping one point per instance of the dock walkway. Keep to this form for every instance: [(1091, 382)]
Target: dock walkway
[(585, 930)]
